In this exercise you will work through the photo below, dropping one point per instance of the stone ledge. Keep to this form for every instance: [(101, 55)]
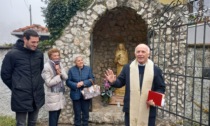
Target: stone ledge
[(108, 115)]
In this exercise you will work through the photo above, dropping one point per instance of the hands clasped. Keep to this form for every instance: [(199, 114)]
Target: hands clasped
[(80, 84), (58, 70)]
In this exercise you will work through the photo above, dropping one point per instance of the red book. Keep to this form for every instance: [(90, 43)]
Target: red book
[(156, 97)]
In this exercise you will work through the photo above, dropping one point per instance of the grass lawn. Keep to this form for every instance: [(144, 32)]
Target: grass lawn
[(7, 121)]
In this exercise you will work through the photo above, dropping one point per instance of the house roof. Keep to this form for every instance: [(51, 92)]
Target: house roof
[(42, 31)]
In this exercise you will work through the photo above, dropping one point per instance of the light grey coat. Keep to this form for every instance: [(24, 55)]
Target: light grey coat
[(53, 101)]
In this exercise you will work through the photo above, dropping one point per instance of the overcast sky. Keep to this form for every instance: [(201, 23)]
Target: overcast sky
[(15, 14)]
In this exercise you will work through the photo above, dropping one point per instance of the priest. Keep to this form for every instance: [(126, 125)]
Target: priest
[(140, 76)]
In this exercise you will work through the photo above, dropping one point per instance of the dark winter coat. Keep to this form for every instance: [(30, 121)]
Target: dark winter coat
[(76, 75), (21, 72), (124, 79)]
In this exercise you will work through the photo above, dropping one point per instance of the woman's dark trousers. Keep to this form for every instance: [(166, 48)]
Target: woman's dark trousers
[(81, 112), (54, 117)]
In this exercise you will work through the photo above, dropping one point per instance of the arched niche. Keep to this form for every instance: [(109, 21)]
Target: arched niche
[(121, 24)]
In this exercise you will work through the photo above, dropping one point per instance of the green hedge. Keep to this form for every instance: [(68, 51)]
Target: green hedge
[(57, 16)]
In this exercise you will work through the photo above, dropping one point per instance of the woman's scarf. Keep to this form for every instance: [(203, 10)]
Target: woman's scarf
[(60, 86), (139, 111)]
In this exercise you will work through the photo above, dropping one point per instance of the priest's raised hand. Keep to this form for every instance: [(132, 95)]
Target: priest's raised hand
[(110, 76)]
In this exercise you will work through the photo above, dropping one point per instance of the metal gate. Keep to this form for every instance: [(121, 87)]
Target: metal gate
[(180, 44)]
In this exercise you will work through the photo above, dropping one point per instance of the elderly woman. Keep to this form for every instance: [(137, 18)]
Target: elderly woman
[(79, 77), (55, 77)]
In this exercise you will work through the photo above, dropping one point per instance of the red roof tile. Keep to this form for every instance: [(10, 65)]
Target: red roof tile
[(42, 31), (35, 27)]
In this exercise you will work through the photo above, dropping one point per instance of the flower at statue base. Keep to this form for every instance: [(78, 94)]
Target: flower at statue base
[(107, 92)]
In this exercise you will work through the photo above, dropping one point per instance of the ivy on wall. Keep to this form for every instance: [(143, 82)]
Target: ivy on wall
[(57, 16)]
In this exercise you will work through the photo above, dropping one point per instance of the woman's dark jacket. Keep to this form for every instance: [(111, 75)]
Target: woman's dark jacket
[(124, 79), (21, 72), (76, 75)]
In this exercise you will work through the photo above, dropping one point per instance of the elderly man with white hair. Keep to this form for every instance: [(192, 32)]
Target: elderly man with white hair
[(79, 76), (140, 76)]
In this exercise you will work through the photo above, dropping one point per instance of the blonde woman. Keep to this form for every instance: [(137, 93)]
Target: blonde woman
[(54, 76)]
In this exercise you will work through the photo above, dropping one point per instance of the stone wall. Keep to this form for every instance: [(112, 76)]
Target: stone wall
[(169, 54), (121, 25), (5, 92), (94, 34), (187, 91), (197, 86)]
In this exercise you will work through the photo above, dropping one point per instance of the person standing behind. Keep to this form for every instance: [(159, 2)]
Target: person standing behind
[(54, 76), (79, 77), (139, 77), (21, 72)]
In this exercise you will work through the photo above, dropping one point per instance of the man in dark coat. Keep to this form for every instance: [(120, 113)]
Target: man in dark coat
[(139, 77), (21, 72)]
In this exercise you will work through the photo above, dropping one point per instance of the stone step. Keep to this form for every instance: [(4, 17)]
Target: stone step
[(110, 114)]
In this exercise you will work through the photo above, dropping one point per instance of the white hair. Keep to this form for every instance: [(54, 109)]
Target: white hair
[(145, 46), (75, 57)]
